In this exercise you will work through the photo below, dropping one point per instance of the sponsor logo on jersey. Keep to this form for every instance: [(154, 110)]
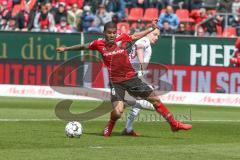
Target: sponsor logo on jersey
[(114, 52)]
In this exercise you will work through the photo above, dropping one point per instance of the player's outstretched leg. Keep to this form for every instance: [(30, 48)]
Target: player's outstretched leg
[(114, 116), (162, 109), (129, 124), (140, 104)]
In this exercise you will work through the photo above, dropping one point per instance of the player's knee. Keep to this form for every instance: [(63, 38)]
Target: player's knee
[(154, 100), (118, 112)]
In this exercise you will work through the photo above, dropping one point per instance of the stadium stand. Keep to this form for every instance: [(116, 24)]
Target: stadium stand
[(186, 11)]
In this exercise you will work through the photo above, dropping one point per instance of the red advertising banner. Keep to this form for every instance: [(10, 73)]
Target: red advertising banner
[(203, 79), (92, 74), (189, 78), (37, 73)]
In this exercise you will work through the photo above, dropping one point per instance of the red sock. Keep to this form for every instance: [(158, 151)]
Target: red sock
[(113, 119), (110, 125), (162, 109)]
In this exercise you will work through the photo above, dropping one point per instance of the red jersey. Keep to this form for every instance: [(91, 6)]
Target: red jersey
[(237, 54), (115, 58)]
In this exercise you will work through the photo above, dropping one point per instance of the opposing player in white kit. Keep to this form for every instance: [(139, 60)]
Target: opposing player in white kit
[(139, 58)]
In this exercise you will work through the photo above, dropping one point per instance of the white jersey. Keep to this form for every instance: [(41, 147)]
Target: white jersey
[(145, 42), (147, 53)]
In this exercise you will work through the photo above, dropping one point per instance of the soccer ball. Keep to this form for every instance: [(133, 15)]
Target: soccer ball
[(73, 129)]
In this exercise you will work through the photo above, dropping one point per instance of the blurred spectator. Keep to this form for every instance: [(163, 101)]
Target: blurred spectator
[(87, 18), (236, 24), (94, 4), (138, 26), (211, 24), (63, 26), (19, 5), (196, 4), (25, 19), (182, 30), (40, 2), (225, 6), (3, 23), (61, 12), (236, 8), (50, 7), (117, 9), (15, 2), (140, 4), (166, 30), (167, 3), (123, 29), (181, 4), (235, 61), (74, 16), (4, 11), (5, 14), (101, 18), (129, 3), (199, 15), (159, 4), (200, 32), (55, 3), (11, 25), (156, 4), (44, 21), (7, 4), (169, 16)]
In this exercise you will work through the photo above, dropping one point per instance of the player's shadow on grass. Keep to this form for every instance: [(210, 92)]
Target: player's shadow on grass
[(119, 134), (101, 134)]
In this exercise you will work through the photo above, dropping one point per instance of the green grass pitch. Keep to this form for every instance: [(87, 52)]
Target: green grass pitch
[(29, 130)]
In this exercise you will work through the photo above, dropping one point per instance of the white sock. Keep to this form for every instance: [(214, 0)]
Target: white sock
[(132, 115), (145, 105)]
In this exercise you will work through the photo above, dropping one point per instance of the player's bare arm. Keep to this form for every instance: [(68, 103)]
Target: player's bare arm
[(141, 34), (73, 48)]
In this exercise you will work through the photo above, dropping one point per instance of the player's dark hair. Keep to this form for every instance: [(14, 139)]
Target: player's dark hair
[(110, 25)]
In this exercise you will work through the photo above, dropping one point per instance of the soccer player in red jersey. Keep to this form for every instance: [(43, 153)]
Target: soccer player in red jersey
[(122, 76), (235, 61)]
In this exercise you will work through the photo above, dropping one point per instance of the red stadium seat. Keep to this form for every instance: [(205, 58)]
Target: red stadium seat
[(219, 30), (150, 14), (163, 10), (123, 27), (194, 11), (135, 14), (182, 12), (183, 15), (230, 32)]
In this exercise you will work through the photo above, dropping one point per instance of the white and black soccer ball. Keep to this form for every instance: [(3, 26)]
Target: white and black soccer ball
[(73, 129)]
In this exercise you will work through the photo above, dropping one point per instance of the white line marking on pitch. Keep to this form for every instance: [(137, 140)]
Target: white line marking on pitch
[(27, 120), (96, 147), (213, 120), (43, 120)]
